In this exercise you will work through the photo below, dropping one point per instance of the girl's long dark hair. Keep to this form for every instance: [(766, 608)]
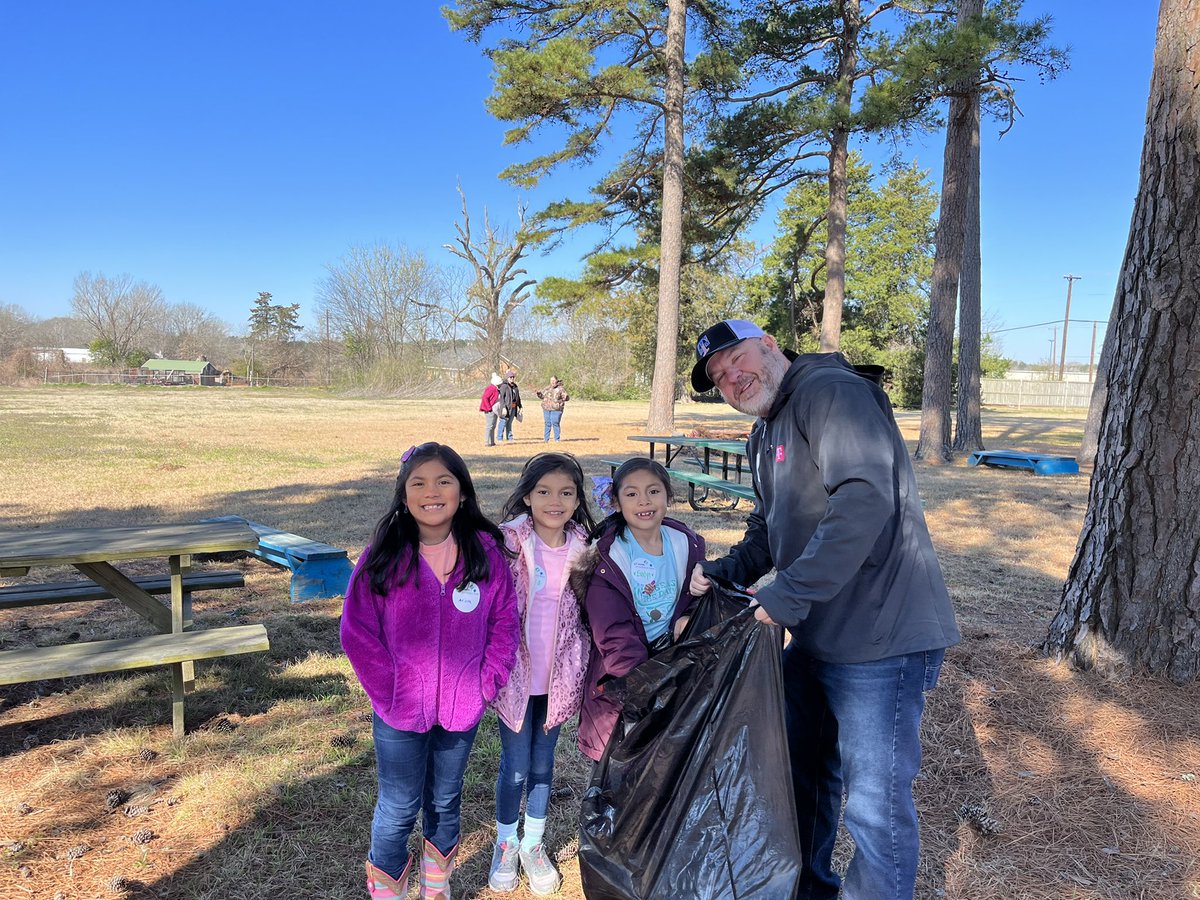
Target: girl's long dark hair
[(395, 543), (536, 468), (615, 521)]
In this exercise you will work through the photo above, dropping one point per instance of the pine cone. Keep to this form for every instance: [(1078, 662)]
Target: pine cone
[(976, 815), (116, 797)]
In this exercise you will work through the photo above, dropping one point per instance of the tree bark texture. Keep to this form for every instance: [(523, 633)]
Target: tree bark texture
[(839, 142), (933, 445), (1091, 427), (1132, 598), (661, 419), (968, 426)]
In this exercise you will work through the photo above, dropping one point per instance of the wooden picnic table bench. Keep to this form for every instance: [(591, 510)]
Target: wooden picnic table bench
[(319, 570), (93, 552), (47, 592), (1038, 463)]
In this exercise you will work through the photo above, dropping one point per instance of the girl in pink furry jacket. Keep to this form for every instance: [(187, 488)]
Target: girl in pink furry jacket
[(546, 522)]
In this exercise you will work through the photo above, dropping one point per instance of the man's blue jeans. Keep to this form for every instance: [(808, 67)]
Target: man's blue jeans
[(504, 429), (526, 761), (418, 771), (552, 417), (855, 727)]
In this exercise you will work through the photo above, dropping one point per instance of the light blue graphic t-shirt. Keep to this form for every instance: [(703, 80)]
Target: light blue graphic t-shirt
[(654, 583)]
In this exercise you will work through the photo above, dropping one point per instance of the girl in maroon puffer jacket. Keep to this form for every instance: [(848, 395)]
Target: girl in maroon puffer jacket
[(634, 582)]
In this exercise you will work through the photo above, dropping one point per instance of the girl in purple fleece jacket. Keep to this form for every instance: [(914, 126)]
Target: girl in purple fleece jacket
[(430, 626)]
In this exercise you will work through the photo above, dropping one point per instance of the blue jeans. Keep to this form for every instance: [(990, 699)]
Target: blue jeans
[(526, 761), (504, 429), (552, 417), (489, 426), (418, 771), (855, 727)]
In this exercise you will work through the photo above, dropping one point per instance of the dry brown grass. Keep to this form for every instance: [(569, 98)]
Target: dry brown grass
[(270, 793)]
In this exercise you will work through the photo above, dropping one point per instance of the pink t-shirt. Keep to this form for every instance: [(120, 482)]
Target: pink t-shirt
[(549, 569), (441, 557)]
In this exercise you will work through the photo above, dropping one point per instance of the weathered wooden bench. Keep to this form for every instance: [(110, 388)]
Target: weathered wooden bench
[(1038, 463), (319, 570), (20, 595), (96, 657)]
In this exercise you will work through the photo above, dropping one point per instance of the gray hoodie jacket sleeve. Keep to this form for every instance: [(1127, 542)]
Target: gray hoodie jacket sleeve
[(839, 519)]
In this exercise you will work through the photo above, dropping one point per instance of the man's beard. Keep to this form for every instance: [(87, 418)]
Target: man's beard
[(769, 382)]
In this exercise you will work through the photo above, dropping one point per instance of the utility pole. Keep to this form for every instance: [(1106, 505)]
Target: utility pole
[(1062, 365), (1092, 358), (326, 348), (1053, 344)]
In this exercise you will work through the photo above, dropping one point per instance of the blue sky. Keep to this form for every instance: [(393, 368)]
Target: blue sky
[(219, 149)]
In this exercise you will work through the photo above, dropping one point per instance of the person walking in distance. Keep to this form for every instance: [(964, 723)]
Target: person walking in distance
[(489, 405), (553, 398), (510, 406), (838, 517)]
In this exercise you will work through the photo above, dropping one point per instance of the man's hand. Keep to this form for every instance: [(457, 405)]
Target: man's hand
[(680, 624), (761, 614), (699, 583)]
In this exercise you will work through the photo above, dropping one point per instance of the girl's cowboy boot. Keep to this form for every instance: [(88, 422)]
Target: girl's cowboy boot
[(435, 873), (382, 886)]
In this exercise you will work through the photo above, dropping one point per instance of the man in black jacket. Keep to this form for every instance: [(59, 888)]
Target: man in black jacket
[(856, 583)]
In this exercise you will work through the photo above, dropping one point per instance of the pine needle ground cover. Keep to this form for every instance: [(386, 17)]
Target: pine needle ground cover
[(1038, 782)]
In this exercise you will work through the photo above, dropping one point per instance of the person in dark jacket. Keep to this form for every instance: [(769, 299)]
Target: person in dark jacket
[(510, 406), (857, 584), (634, 585)]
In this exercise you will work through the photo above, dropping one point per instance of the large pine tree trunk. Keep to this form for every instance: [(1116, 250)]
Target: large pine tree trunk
[(839, 143), (1132, 598), (968, 426), (1091, 428), (661, 419), (933, 445)]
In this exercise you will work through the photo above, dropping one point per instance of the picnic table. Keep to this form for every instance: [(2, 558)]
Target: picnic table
[(93, 552), (702, 455)]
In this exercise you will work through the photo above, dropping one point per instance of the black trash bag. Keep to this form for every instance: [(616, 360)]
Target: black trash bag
[(693, 796)]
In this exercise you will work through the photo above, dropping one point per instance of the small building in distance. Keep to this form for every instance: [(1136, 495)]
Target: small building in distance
[(180, 371), (466, 365), (61, 355)]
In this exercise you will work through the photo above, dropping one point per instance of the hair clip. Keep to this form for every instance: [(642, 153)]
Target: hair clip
[(415, 448)]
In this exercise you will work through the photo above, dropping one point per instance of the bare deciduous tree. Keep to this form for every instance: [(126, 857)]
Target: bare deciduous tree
[(118, 310), (499, 287), (15, 325), (380, 298)]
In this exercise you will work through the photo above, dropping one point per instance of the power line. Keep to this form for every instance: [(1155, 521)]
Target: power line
[(1043, 324)]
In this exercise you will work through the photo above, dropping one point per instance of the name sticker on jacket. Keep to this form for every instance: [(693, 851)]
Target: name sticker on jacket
[(780, 456), (466, 598)]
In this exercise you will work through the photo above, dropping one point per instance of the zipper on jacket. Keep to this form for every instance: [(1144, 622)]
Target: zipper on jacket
[(437, 694)]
